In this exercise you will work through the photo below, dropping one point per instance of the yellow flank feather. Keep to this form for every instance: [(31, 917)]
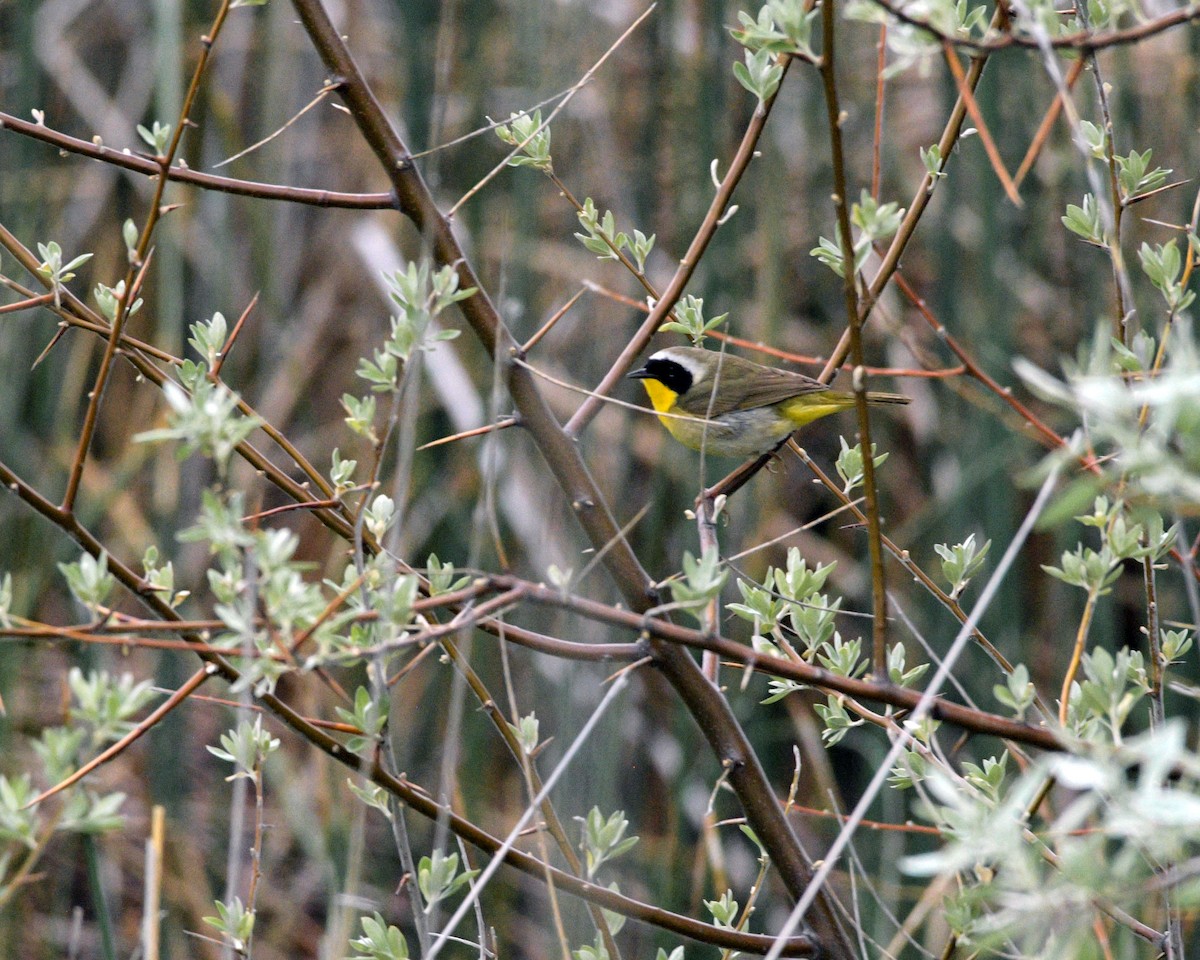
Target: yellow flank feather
[(813, 406)]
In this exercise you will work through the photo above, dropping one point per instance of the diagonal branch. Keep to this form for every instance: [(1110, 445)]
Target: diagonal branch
[(707, 705)]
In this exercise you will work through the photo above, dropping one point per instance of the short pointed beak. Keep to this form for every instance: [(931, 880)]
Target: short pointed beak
[(642, 374)]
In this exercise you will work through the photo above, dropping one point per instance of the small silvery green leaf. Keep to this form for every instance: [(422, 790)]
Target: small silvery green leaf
[(782, 26), (54, 271), (161, 577), (689, 320), (341, 473), (1162, 263), (876, 220), (1092, 570), (560, 579), (18, 821), (911, 770), (234, 921), (604, 838), (129, 233), (1093, 138), (526, 732), (209, 421), (896, 667), (208, 339), (360, 415), (836, 719), (372, 795), (829, 252), (961, 562), (1017, 692), (369, 717), (641, 247), (379, 515), (850, 464), (526, 131), (759, 74), (591, 951), (702, 582), (796, 581), (88, 813), (108, 299), (438, 878), (1085, 221), (761, 607), (89, 580), (1173, 644), (814, 620), (931, 159), (724, 911), (246, 748), (379, 941), (777, 689), (842, 657), (158, 137), (441, 576), (989, 777), (6, 600), (1136, 177)]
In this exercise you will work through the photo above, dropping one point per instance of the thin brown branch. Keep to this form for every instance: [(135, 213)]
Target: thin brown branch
[(1047, 124), (188, 687), (148, 167), (854, 320), (139, 260), (1082, 40), (985, 135)]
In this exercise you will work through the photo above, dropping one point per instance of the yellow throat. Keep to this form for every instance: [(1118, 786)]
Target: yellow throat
[(661, 397)]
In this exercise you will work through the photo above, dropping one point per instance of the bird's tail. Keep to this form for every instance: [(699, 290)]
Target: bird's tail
[(887, 398)]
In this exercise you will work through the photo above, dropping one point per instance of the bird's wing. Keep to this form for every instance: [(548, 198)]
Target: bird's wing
[(765, 387)]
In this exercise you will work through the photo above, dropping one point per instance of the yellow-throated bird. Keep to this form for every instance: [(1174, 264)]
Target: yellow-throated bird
[(733, 407)]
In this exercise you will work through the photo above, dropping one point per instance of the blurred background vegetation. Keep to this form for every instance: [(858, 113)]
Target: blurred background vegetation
[(639, 139)]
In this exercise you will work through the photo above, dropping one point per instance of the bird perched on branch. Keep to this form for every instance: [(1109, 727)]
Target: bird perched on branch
[(734, 407)]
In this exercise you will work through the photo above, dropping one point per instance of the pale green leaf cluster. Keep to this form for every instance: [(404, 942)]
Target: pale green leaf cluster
[(88, 580), (108, 299), (1140, 801), (102, 705), (157, 136), (873, 221), (526, 131), (246, 747), (439, 878), (781, 27), (912, 46), (234, 921), (689, 320), (760, 73), (961, 562), (1146, 429), (369, 717), (526, 732), (205, 418), (850, 466), (380, 941), (1163, 264), (602, 237), (701, 582), (604, 838)]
